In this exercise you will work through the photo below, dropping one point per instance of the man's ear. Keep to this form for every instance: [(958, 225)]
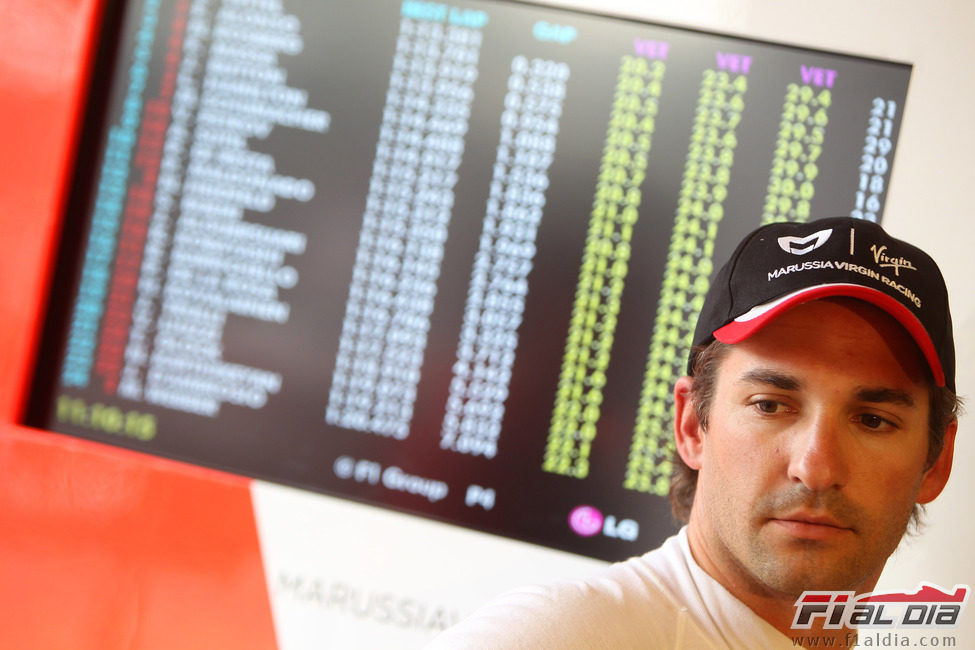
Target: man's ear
[(936, 476), (688, 434)]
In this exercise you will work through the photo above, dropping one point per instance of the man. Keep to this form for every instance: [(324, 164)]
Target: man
[(818, 413)]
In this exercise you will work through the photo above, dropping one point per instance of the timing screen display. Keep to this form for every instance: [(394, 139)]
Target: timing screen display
[(444, 258)]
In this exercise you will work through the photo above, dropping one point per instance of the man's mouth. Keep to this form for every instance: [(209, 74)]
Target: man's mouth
[(811, 525)]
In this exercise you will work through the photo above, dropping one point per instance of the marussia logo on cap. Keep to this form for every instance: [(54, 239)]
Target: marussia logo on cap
[(803, 245)]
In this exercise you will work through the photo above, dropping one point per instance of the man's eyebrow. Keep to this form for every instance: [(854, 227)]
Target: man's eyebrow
[(771, 378), (784, 381), (885, 396)]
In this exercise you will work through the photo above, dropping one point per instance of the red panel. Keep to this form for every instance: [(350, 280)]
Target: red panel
[(43, 53), (105, 549), (99, 547)]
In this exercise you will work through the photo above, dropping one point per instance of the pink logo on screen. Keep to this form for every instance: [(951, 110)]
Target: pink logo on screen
[(585, 521)]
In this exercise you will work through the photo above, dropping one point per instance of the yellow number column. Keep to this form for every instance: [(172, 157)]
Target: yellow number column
[(604, 266), (707, 172)]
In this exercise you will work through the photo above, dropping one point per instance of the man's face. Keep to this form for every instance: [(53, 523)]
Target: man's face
[(814, 453)]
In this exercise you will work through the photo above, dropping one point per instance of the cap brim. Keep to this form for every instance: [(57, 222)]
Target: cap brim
[(753, 320)]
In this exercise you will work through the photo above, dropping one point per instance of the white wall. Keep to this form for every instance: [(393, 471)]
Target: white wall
[(930, 201)]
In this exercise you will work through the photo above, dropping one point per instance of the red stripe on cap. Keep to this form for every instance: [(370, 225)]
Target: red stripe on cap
[(744, 326)]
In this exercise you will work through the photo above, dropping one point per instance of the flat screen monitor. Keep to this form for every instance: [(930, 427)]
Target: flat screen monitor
[(443, 258)]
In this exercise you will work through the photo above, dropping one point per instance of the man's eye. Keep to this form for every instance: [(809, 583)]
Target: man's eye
[(872, 421), (767, 406)]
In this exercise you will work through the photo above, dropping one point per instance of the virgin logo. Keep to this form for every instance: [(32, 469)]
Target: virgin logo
[(881, 257), (803, 245)]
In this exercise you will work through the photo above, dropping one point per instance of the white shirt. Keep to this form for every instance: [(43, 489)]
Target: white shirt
[(662, 599)]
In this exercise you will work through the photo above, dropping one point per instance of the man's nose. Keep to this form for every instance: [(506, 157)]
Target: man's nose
[(818, 456)]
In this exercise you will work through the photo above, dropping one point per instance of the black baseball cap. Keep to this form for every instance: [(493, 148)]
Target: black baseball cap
[(781, 265)]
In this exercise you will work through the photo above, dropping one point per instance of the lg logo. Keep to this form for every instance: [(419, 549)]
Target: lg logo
[(587, 521)]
